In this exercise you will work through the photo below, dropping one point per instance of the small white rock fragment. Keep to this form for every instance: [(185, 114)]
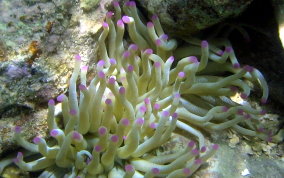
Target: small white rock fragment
[(245, 172)]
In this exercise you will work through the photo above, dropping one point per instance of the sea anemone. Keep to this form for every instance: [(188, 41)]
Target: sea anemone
[(140, 93)]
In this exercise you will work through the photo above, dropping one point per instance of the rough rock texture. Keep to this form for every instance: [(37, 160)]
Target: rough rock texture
[(38, 40), (184, 17)]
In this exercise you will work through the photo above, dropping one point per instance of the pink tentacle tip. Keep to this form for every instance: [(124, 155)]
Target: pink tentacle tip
[(215, 147), (73, 112), (17, 129), (175, 115), (155, 171), (129, 168), (164, 37), (143, 109), (108, 101), (177, 95), (84, 68), (225, 108), (192, 59), (153, 125), (130, 68), (220, 52), (236, 65), (16, 160), (54, 133), (101, 74), (181, 75), (158, 42), (140, 121), (120, 23), (191, 144), (111, 80), (101, 63), (198, 161), (126, 54), (125, 122), (154, 17), (102, 130), (20, 155), (105, 25), (51, 102), (248, 68), (149, 51), (240, 111), (82, 87), (115, 4), (109, 14), (166, 113), (203, 149), (114, 138), (147, 101), (112, 61), (150, 25), (126, 19), (133, 47), (228, 49), (157, 64), (186, 171), (261, 130), (98, 148), (244, 96), (36, 140), (171, 59), (60, 98), (77, 57), (156, 106), (263, 100), (195, 151), (204, 44), (76, 135), (122, 90), (132, 4)]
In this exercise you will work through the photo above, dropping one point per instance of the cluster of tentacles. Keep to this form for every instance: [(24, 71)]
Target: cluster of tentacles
[(140, 93)]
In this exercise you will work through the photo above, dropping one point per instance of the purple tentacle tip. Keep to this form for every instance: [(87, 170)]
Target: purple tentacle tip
[(195, 151), (51, 102), (114, 138), (73, 112), (54, 133), (120, 23), (102, 130), (112, 61), (186, 171), (108, 101), (181, 75), (60, 98), (133, 47), (140, 121), (129, 168), (215, 147), (125, 122), (37, 140), (98, 148), (204, 44), (236, 65), (77, 57), (105, 25), (76, 135), (156, 106), (149, 51), (157, 64), (111, 80), (130, 68), (82, 87), (248, 68), (122, 90), (198, 161), (150, 25), (101, 74), (175, 115), (192, 59), (17, 129), (155, 171), (126, 19)]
